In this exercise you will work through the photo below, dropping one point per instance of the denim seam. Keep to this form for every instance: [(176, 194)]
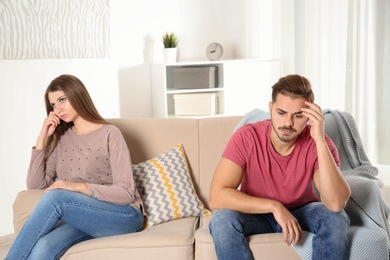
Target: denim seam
[(39, 234), (60, 254), (318, 223), (83, 206), (321, 242)]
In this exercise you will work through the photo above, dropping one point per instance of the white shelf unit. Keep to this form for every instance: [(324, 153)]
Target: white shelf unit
[(242, 85)]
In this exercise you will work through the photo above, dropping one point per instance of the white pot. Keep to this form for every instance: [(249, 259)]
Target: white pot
[(169, 55)]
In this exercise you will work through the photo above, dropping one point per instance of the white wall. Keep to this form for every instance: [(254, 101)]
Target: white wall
[(120, 85)]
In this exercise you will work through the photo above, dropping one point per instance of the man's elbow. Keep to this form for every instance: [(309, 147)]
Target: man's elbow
[(216, 200), (336, 207), (213, 203), (338, 204)]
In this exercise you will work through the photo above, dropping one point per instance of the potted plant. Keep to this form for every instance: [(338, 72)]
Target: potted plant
[(170, 41)]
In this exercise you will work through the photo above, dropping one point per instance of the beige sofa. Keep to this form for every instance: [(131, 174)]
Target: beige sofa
[(187, 238)]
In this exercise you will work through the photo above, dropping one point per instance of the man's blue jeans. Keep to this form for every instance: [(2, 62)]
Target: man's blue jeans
[(230, 228), (63, 218)]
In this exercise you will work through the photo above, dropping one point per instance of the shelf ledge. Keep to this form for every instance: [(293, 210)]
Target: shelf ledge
[(193, 90)]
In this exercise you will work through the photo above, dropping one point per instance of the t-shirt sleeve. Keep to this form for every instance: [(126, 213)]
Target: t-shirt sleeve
[(237, 148)]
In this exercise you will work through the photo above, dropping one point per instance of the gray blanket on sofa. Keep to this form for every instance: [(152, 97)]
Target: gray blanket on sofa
[(369, 231)]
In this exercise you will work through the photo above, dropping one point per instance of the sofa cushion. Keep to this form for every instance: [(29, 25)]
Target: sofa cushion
[(24, 204), (263, 246), (5, 244), (173, 240), (166, 188), (214, 134)]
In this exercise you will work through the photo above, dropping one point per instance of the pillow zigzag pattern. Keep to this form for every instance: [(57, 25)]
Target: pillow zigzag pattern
[(166, 188)]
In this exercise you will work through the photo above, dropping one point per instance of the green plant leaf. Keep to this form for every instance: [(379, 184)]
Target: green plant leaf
[(170, 40)]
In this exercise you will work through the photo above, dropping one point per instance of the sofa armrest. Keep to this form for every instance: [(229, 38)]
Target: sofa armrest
[(23, 205)]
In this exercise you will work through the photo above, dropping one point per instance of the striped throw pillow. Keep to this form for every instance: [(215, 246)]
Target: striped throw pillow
[(166, 188)]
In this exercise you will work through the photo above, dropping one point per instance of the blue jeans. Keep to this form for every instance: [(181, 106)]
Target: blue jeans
[(230, 228), (63, 218)]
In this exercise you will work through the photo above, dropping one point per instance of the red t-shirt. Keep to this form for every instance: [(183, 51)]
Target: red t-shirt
[(287, 179)]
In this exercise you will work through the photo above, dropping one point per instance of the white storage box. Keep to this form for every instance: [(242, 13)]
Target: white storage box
[(199, 104), (195, 77)]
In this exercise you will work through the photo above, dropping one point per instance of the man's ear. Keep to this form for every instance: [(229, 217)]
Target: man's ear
[(270, 107)]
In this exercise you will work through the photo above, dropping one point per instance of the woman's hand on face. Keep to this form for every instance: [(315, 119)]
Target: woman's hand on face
[(49, 126)]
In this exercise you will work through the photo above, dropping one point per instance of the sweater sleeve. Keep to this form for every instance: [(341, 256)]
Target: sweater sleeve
[(123, 189), (40, 174)]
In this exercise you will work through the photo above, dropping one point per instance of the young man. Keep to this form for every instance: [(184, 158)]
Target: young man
[(278, 162)]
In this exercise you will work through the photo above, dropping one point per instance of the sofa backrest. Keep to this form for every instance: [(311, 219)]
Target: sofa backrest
[(203, 140), (214, 134)]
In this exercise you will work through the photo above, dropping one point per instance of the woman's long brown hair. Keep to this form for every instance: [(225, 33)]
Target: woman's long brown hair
[(81, 101)]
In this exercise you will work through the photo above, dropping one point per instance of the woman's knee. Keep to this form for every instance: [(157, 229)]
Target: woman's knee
[(53, 195), (60, 196)]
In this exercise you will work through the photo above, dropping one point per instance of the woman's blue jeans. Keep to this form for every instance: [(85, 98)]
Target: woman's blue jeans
[(63, 218), (230, 228)]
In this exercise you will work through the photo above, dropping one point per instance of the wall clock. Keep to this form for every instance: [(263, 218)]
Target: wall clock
[(214, 51)]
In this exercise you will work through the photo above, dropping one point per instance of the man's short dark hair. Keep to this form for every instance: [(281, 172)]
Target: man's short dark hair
[(294, 86)]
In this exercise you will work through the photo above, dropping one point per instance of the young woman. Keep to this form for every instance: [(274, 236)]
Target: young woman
[(84, 166)]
